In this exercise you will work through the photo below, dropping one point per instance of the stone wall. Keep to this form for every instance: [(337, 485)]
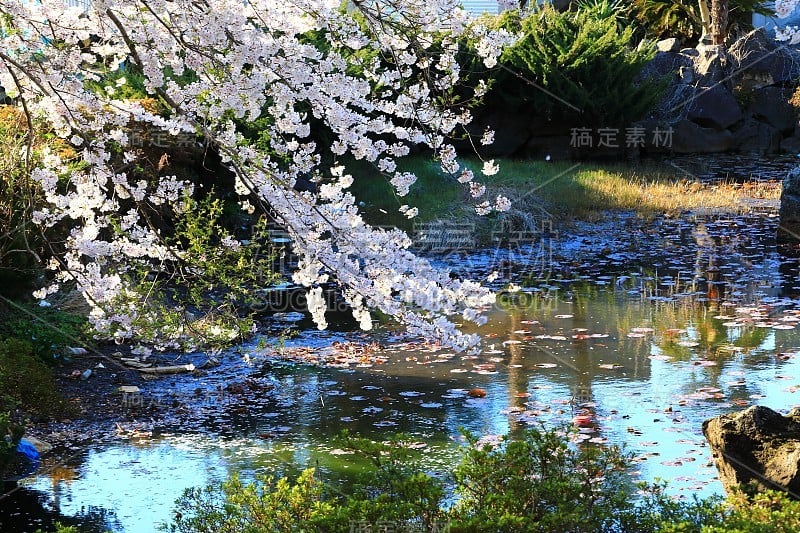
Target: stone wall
[(728, 99)]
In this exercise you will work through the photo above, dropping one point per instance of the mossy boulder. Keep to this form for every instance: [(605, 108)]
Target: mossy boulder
[(757, 447)]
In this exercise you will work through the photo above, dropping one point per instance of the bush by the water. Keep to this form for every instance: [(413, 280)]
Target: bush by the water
[(26, 386), (577, 66), (538, 482)]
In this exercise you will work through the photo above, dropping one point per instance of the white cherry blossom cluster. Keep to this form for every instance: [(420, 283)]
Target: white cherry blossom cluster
[(249, 59), (784, 8), (789, 34)]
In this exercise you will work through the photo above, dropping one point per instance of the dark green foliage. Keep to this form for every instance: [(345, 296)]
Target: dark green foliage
[(10, 433), (767, 512), (578, 66), (537, 482), (266, 505), (541, 483), (661, 19), (396, 489), (47, 331), (26, 382)]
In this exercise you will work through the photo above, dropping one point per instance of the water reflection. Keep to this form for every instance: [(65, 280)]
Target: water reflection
[(25, 510), (679, 321), (645, 372)]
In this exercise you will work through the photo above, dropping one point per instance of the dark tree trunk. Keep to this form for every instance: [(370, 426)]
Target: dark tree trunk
[(719, 21)]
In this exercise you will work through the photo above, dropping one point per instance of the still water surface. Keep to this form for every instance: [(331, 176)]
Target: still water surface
[(641, 343)]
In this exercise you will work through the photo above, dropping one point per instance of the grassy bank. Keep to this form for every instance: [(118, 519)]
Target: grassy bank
[(561, 191)]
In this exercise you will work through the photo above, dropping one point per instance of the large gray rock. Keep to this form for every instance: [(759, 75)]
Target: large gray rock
[(789, 228), (757, 445), (668, 45), (712, 64), (755, 137), (771, 105), (666, 64), (759, 60), (791, 145), (714, 107), (688, 138)]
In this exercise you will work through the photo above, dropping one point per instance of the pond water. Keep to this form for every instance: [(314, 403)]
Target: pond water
[(632, 333)]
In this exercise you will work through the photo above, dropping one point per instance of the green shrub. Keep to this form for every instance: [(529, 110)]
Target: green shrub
[(265, 505), (395, 489), (537, 482), (576, 66), (542, 483), (766, 512), (26, 382), (209, 296), (46, 331)]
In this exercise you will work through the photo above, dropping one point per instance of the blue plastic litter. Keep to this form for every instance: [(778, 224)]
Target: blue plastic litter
[(29, 451)]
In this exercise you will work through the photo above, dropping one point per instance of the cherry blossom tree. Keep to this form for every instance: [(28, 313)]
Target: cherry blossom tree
[(382, 85), (790, 34)]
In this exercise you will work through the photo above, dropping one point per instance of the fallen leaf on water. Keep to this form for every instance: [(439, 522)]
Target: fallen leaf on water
[(688, 344), (583, 420)]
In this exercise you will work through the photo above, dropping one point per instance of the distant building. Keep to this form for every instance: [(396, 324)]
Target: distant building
[(493, 7), (83, 4), (479, 7)]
